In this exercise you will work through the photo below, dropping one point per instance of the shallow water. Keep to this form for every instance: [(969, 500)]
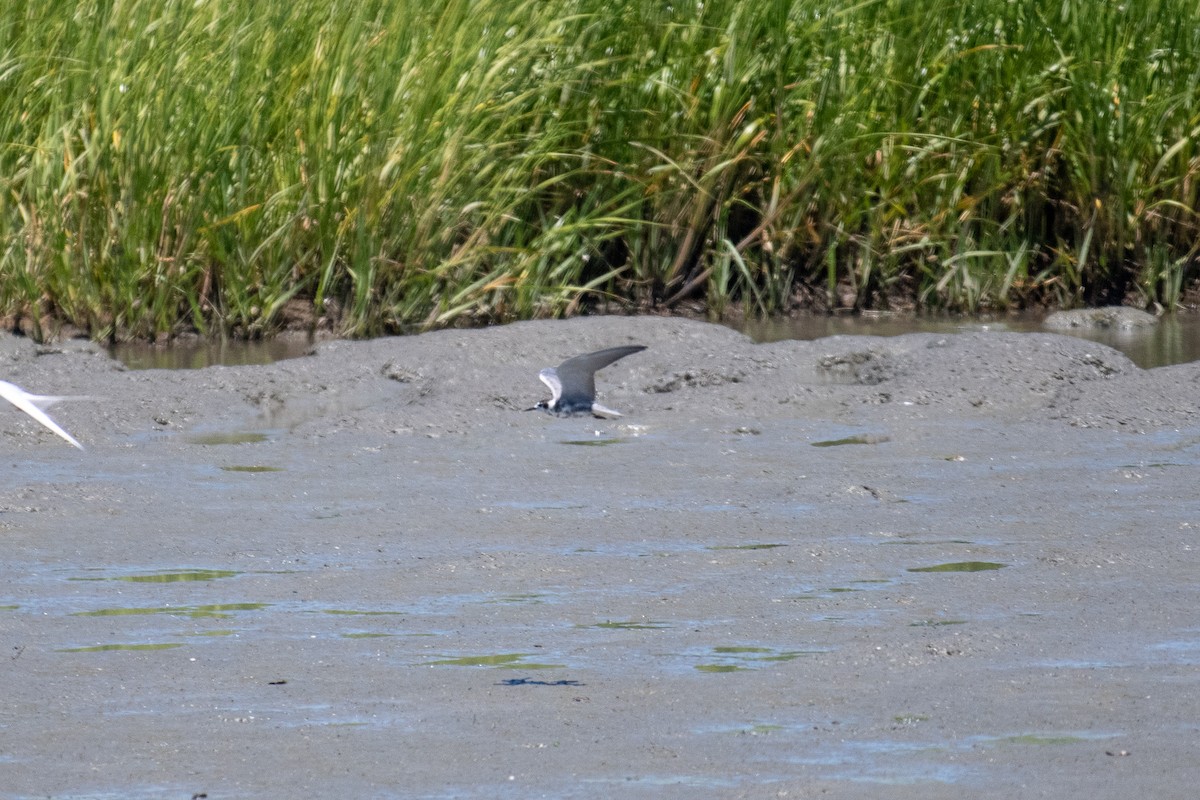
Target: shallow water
[(1175, 340)]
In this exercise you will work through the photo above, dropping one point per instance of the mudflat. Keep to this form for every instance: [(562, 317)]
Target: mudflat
[(929, 566)]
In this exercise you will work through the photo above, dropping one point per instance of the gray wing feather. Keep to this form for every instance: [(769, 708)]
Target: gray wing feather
[(577, 376)]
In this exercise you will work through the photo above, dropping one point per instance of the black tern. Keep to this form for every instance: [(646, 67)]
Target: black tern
[(573, 383), (34, 405)]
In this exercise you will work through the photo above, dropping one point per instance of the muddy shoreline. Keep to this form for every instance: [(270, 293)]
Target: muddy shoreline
[(366, 572)]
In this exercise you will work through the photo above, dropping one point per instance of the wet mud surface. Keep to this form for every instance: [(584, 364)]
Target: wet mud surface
[(932, 566)]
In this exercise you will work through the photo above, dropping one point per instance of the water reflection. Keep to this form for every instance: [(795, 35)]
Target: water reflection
[(1175, 340), (196, 355)]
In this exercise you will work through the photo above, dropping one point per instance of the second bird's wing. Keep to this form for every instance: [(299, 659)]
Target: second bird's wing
[(32, 404)]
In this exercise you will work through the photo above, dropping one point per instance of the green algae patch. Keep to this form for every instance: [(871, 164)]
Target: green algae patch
[(366, 635), (519, 598), (103, 648), (858, 439), (764, 546), (961, 566), (737, 658), (171, 576), (216, 611), (223, 610), (179, 576), (591, 442), (213, 439), (354, 613), (910, 719), (125, 612), (1037, 739), (501, 660)]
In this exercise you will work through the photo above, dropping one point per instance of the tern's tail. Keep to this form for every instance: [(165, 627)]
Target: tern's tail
[(603, 412)]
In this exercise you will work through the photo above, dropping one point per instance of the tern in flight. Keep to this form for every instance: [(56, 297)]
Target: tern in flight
[(34, 405), (573, 383)]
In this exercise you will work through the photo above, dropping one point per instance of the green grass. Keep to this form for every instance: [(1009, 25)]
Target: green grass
[(392, 165)]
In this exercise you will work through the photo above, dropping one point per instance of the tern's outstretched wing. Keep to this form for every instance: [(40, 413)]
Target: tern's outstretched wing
[(32, 404), (578, 375), (550, 378)]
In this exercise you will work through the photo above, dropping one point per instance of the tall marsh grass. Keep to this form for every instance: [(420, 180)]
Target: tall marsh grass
[(172, 164)]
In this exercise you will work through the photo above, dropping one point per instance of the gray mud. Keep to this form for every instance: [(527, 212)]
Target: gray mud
[(367, 573)]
